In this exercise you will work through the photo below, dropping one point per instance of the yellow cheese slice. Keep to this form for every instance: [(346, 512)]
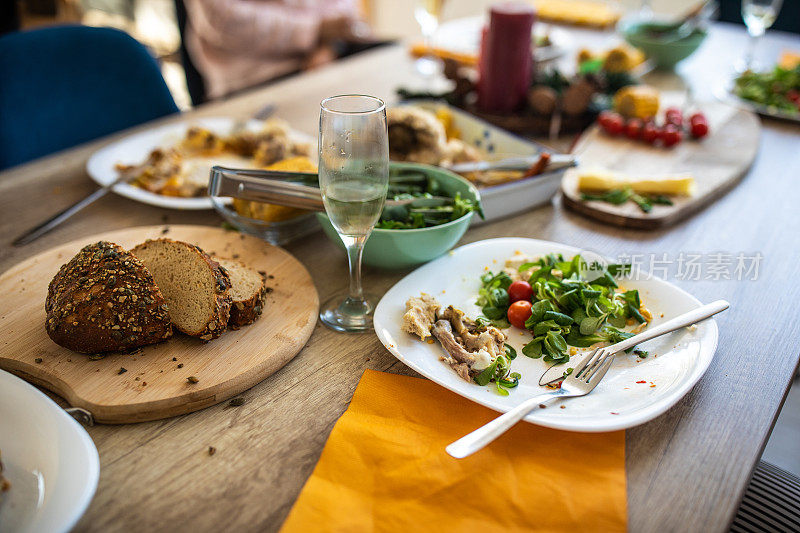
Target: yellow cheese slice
[(606, 180)]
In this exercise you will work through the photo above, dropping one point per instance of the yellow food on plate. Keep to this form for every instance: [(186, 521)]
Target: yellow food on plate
[(581, 12), (181, 169), (789, 59), (621, 58), (202, 141), (444, 116), (597, 180), (639, 101), (272, 212)]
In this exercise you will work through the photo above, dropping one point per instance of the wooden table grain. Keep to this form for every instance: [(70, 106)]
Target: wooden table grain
[(686, 469)]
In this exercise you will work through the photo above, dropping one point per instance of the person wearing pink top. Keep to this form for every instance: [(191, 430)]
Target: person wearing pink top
[(236, 44)]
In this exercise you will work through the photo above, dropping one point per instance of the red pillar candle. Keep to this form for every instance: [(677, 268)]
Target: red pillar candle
[(506, 63)]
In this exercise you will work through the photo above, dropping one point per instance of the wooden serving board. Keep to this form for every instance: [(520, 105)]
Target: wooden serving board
[(154, 386), (717, 163)]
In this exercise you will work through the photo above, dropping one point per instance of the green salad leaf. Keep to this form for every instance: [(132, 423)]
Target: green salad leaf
[(567, 308), (777, 88)]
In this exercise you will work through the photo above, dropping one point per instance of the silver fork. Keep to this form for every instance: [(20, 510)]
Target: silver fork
[(583, 379)]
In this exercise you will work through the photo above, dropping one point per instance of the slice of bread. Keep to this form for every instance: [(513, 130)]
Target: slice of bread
[(248, 289), (105, 300), (195, 287)]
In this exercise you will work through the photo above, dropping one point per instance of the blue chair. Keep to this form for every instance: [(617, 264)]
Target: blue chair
[(67, 85)]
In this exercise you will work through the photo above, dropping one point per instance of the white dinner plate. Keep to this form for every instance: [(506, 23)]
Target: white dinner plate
[(625, 397), (725, 93), (49, 459), (135, 149)]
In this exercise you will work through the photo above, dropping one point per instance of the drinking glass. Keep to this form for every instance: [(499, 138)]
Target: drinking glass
[(428, 13), (758, 15), (354, 180)]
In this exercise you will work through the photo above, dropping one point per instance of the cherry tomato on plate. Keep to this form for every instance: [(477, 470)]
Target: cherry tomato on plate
[(519, 312), (650, 133), (520, 290), (671, 135), (633, 129)]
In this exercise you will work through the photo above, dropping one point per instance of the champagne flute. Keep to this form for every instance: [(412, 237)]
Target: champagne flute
[(428, 13), (353, 180), (758, 15)]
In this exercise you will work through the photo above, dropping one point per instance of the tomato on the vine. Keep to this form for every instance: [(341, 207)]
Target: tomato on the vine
[(650, 133), (671, 135), (519, 312), (611, 122), (674, 116), (633, 129), (698, 125)]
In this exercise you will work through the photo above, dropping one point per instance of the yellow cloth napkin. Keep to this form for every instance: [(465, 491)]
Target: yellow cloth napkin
[(384, 468)]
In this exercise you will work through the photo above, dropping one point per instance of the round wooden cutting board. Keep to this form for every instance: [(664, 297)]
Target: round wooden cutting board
[(154, 384), (717, 163)]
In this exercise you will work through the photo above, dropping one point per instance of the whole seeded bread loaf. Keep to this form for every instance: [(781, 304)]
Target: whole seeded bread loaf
[(104, 300), (248, 290), (195, 287)]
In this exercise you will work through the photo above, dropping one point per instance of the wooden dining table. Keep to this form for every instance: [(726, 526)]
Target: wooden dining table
[(686, 470)]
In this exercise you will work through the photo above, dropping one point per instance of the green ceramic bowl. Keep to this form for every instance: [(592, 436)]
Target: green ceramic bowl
[(403, 248), (663, 49)]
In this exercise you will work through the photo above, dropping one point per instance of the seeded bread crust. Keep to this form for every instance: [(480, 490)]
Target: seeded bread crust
[(217, 323), (245, 312), (105, 300)]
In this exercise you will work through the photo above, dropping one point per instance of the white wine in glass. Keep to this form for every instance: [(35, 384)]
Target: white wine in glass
[(758, 16), (353, 180)]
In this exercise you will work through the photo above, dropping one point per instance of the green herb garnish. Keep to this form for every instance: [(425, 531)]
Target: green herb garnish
[(620, 196)]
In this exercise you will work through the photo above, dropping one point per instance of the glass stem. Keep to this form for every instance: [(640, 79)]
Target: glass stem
[(751, 51), (355, 247)]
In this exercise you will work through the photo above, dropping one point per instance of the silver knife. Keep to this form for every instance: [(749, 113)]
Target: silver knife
[(34, 233)]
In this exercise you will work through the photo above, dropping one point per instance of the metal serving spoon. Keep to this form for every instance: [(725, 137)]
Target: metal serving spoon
[(584, 378)]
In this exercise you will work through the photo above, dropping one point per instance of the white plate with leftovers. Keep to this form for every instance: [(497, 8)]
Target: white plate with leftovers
[(168, 166), (461, 303), (434, 133), (50, 463)]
